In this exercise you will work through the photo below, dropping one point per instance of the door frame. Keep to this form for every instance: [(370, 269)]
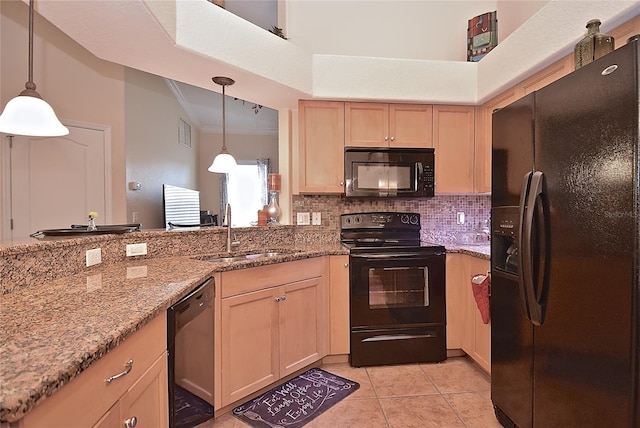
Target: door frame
[(5, 175)]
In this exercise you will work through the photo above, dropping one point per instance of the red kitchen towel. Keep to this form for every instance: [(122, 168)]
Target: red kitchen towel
[(481, 285)]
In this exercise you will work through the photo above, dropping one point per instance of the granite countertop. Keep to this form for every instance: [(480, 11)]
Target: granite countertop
[(91, 313), (479, 251), (94, 311)]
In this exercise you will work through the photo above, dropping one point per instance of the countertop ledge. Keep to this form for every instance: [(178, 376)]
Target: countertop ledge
[(91, 313), (479, 251)]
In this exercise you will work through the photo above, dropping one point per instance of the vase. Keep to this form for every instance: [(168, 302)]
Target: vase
[(273, 209), (92, 225), (593, 45)]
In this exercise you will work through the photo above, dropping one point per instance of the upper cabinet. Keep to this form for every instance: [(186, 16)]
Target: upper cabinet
[(453, 140), (321, 147), (388, 125), (482, 175)]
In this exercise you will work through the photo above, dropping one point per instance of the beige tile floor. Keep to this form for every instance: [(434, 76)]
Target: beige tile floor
[(454, 393)]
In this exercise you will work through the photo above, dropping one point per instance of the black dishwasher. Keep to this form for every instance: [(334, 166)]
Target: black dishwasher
[(190, 346)]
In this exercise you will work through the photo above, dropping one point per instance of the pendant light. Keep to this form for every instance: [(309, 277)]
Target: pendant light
[(28, 113), (223, 162)]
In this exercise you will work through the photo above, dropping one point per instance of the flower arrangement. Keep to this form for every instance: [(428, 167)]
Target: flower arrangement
[(92, 221)]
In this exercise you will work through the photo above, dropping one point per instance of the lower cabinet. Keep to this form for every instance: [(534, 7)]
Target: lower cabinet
[(272, 323), (476, 340), (339, 326), (465, 328), (135, 395), (142, 401)]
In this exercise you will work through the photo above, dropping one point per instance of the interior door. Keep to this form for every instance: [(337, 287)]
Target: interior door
[(56, 181)]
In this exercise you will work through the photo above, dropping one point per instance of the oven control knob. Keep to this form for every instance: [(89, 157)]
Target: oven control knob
[(357, 219), (404, 218), (414, 219)]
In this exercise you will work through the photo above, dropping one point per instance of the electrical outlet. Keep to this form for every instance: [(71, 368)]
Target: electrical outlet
[(460, 217), (93, 257), (136, 217), (316, 219), (303, 219), (136, 249)]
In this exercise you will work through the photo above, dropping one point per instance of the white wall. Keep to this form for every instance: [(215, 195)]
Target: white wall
[(154, 154), (512, 14), (79, 86), (434, 30)]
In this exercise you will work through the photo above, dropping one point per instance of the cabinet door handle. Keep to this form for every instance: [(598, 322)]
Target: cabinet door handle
[(131, 422), (346, 265), (393, 138), (283, 297), (341, 183), (386, 138), (127, 368), (278, 299)]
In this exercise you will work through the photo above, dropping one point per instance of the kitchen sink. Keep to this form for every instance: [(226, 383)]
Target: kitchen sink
[(244, 257)]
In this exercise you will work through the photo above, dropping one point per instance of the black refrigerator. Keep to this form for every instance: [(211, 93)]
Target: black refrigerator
[(565, 295)]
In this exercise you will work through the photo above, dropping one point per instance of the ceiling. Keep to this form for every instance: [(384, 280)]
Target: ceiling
[(204, 109)]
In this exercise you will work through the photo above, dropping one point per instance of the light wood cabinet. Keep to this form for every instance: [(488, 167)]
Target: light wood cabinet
[(249, 343), (476, 340), (482, 175), (339, 325), (456, 303), (388, 125), (272, 323), (301, 325), (546, 76), (88, 400), (320, 157), (453, 140), (465, 329), (622, 33), (143, 400)]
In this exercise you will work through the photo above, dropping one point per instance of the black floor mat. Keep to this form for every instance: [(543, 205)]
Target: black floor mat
[(191, 410)]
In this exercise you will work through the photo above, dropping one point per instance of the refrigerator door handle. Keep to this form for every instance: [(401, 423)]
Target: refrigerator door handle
[(524, 246), (538, 288), (535, 293)]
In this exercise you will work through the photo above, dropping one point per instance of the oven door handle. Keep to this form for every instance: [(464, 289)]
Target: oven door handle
[(393, 255), (387, 337)]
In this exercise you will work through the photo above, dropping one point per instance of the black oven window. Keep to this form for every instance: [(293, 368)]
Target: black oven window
[(398, 287)]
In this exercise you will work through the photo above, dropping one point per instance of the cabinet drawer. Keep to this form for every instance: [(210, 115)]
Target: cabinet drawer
[(88, 396), (246, 280)]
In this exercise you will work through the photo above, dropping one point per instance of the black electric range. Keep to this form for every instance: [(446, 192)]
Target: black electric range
[(397, 290)]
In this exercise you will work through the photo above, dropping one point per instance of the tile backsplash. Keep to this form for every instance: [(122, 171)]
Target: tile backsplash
[(438, 214)]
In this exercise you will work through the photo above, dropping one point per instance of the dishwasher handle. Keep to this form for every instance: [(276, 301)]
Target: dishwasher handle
[(193, 304)]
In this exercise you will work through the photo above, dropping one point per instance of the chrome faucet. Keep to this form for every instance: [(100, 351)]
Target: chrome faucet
[(228, 220)]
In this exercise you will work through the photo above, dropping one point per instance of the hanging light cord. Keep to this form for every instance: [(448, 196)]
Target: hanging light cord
[(224, 143), (30, 85)]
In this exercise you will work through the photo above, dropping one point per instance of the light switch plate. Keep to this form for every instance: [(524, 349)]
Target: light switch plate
[(303, 219), (316, 219)]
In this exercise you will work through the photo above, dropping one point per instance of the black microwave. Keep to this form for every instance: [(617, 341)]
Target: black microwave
[(389, 172)]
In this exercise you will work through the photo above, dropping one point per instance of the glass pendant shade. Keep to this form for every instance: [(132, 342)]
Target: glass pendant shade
[(30, 115), (223, 163)]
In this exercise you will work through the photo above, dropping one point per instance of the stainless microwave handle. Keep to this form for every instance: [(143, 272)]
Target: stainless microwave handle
[(419, 170)]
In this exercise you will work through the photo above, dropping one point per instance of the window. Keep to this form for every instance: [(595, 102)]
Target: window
[(246, 190)]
